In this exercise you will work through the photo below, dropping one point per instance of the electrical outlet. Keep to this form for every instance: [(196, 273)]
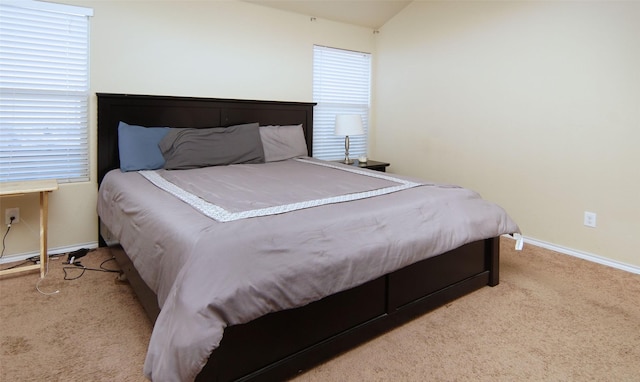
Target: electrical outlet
[(590, 219), (9, 212)]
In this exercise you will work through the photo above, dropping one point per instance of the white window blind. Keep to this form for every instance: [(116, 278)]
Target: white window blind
[(44, 91), (341, 85)]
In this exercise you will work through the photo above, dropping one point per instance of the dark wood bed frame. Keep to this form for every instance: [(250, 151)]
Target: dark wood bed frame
[(280, 345)]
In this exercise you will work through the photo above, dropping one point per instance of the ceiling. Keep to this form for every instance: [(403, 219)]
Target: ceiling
[(366, 13)]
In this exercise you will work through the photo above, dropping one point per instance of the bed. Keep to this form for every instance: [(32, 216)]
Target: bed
[(308, 322)]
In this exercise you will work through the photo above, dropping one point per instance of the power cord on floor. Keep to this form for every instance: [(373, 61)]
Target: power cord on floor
[(17, 265), (32, 259), (72, 260), (77, 265)]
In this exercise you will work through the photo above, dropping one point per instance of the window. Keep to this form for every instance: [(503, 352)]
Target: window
[(341, 85), (44, 91)]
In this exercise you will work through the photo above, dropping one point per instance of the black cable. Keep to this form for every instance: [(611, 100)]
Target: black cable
[(17, 265), (106, 269), (77, 265), (66, 276), (5, 236)]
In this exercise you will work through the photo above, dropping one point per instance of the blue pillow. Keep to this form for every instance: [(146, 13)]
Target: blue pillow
[(138, 147)]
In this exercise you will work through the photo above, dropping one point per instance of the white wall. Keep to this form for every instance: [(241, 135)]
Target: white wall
[(221, 49), (536, 105)]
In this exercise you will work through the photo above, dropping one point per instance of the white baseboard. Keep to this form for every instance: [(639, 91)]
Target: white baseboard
[(583, 255), (50, 252), (528, 240)]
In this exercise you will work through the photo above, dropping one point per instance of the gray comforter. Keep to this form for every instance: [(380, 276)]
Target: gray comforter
[(209, 274)]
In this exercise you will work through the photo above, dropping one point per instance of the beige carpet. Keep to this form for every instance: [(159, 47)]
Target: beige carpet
[(552, 318)]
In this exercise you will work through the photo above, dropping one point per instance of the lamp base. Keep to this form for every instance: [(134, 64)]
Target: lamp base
[(346, 151)]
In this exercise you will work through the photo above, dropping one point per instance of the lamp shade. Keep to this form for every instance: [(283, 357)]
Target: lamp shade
[(349, 124)]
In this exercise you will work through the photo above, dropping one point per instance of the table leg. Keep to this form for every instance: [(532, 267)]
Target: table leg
[(44, 208)]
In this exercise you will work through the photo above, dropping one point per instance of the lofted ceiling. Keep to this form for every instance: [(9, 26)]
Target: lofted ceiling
[(366, 13)]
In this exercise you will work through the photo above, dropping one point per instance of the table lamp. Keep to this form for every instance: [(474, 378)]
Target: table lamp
[(346, 125)]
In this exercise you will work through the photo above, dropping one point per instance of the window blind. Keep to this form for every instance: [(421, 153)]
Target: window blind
[(44, 91), (341, 85)]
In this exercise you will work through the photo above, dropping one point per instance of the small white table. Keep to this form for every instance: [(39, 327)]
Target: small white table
[(44, 187)]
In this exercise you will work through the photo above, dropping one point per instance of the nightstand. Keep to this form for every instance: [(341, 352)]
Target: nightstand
[(370, 164), (43, 187)]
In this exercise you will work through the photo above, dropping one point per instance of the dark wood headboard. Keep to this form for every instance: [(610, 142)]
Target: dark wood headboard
[(168, 111)]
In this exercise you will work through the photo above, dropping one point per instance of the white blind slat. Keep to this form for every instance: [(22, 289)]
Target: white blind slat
[(341, 85), (44, 91)]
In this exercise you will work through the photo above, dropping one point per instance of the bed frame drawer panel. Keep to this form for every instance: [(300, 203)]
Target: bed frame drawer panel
[(430, 275), (278, 335)]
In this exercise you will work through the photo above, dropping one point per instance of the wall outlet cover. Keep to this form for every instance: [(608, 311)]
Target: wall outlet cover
[(9, 212), (590, 219)]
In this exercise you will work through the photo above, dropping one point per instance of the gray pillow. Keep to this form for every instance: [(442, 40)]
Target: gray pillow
[(283, 142), (192, 148)]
